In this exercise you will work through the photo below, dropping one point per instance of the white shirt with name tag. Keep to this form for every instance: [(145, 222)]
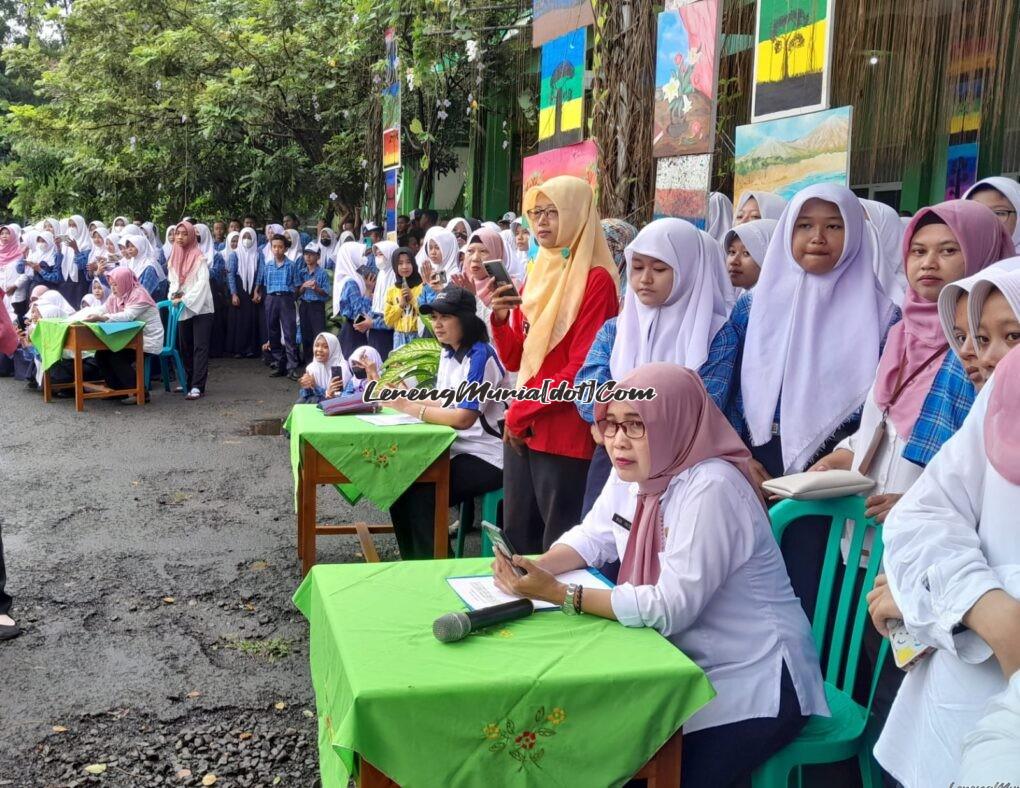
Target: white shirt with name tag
[(477, 364)]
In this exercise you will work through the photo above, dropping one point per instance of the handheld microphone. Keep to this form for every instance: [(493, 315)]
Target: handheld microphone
[(457, 626)]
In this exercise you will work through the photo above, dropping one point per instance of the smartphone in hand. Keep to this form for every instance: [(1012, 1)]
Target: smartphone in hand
[(498, 272), (501, 544)]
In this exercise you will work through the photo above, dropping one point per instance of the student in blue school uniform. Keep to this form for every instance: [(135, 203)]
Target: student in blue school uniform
[(138, 255), (244, 264), (380, 335), (792, 378), (314, 291), (673, 309), (353, 284), (43, 262), (218, 285), (278, 283), (318, 378), (77, 246)]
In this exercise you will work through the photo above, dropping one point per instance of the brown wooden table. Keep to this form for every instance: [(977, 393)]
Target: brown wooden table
[(81, 339), (315, 470), (662, 771)]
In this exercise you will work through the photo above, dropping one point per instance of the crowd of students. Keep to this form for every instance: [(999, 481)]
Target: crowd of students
[(819, 333)]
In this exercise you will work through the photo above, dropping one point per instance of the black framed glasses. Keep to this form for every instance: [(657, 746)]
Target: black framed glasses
[(632, 429), (1003, 213), (538, 214)]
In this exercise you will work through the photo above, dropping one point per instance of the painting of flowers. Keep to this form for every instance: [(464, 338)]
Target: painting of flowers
[(686, 66)]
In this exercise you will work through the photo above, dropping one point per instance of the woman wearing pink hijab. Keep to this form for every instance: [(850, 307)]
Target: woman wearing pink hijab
[(129, 301), (952, 557), (11, 282), (699, 564), (189, 285), (484, 244)]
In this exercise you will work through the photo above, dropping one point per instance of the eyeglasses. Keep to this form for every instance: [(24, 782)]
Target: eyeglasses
[(1002, 213), (632, 429), (541, 213)]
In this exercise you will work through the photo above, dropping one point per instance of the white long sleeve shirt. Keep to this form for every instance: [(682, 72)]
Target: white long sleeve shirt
[(952, 538), (198, 297), (723, 596), (152, 333)]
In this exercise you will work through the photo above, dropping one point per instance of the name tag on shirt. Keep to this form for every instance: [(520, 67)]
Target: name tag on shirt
[(621, 521)]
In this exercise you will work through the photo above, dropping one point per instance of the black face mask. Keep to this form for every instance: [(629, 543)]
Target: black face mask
[(359, 372), (325, 242)]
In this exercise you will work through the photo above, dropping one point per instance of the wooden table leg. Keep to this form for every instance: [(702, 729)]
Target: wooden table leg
[(370, 777), (664, 769), (140, 369), (47, 392), (441, 532), (79, 375), (306, 507), (298, 497)]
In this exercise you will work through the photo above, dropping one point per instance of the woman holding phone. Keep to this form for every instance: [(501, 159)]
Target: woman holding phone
[(545, 335), (328, 364)]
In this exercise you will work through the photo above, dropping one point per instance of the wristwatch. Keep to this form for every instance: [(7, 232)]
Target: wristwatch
[(568, 601)]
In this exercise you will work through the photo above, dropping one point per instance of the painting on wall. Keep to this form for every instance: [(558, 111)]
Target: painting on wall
[(961, 169), (681, 188), (561, 97), (554, 18), (580, 160), (391, 104), (686, 70), (784, 156), (791, 58), (391, 181)]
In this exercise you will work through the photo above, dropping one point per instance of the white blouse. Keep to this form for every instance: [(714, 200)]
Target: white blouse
[(939, 562), (723, 596), (991, 752), (198, 297)]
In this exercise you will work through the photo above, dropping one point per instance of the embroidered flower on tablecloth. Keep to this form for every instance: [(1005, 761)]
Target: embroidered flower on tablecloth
[(526, 741), (491, 731), (506, 633), (382, 459), (557, 716), (522, 746)]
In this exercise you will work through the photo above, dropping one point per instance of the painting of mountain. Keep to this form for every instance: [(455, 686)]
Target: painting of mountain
[(791, 58), (681, 188), (686, 69), (784, 156), (554, 18)]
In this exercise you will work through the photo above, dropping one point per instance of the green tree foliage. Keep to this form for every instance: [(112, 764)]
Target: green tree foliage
[(168, 107)]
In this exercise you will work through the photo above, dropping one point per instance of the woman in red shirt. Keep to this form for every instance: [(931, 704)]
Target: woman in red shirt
[(571, 291)]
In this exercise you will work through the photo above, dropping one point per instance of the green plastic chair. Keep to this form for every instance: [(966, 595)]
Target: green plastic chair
[(847, 733), (169, 354), (491, 503)]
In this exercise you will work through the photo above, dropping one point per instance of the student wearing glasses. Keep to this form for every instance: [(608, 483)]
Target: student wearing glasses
[(682, 512), (1002, 195)]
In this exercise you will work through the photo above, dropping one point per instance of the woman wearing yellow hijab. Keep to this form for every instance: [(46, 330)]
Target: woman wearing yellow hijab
[(571, 291)]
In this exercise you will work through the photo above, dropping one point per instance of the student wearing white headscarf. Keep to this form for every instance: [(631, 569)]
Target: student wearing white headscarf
[(380, 336), (327, 355), (43, 261), (76, 245), (157, 248), (673, 309), (353, 286), (272, 230), (296, 249), (745, 246), (887, 231), (461, 229), (218, 284), (139, 257), (168, 244), (754, 205), (952, 557), (329, 246), (243, 266), (720, 215), (796, 385), (1002, 195), (442, 251)]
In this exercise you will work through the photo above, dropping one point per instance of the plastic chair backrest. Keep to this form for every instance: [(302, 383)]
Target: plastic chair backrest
[(172, 319), (851, 616)]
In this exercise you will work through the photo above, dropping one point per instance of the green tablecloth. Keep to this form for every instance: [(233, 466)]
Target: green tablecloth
[(550, 700), (49, 337), (381, 462)]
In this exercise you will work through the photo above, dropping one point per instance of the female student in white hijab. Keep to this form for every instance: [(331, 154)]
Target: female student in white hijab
[(138, 255), (243, 265), (380, 335), (43, 262), (993, 313), (952, 558), (442, 251), (793, 383), (754, 205), (168, 244), (353, 287), (329, 246), (887, 231), (1002, 195), (327, 357), (218, 284), (745, 246), (672, 311), (720, 216), (461, 229), (76, 245)]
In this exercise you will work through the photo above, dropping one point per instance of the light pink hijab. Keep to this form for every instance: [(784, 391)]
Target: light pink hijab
[(683, 428), (129, 291), (10, 251), (913, 341), (8, 335), (185, 259), (1002, 425), (493, 243)]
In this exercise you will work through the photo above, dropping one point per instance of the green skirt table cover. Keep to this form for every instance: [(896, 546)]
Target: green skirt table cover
[(549, 700), (381, 462), (50, 335)]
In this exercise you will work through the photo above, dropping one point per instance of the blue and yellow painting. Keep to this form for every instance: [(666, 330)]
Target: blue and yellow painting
[(561, 99)]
